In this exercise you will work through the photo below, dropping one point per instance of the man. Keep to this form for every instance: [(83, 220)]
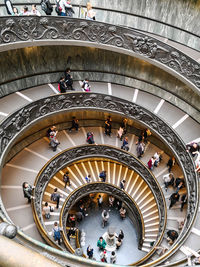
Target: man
[(100, 201), (105, 216), (122, 184), (174, 198), (172, 235), (66, 179), (183, 201), (88, 178), (55, 196), (75, 124), (192, 147), (168, 180), (102, 176), (108, 126), (28, 191), (68, 77)]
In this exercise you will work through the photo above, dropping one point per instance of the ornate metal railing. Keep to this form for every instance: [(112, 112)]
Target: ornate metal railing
[(12, 127), (26, 31), (111, 190), (68, 156)]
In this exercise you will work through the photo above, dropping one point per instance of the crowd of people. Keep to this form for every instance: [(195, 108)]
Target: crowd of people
[(62, 8), (143, 140)]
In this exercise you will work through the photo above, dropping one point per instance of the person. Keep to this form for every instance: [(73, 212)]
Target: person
[(79, 216), (55, 197), (90, 138), (68, 77), (118, 243), (105, 217), (113, 257), (66, 179), (124, 125), (90, 14), (53, 140), (100, 201), (121, 234), (173, 198), (120, 133), (25, 11), (72, 220), (172, 235), (86, 86), (57, 233), (151, 163), (108, 126), (88, 178), (171, 163), (68, 9), (47, 209), (75, 124), (122, 184), (46, 6), (103, 256), (101, 243), (168, 180), (62, 87), (196, 261), (146, 133), (82, 209), (51, 129), (183, 201), (125, 144), (140, 138), (28, 191), (34, 11), (71, 232), (15, 11), (90, 252), (111, 201), (192, 147), (102, 176), (9, 7), (158, 158), (178, 184), (119, 204), (140, 149), (122, 212)]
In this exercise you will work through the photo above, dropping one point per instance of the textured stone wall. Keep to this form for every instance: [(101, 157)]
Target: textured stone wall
[(28, 67), (180, 13)]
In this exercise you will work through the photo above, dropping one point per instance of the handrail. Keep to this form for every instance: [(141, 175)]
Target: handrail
[(26, 31), (13, 126)]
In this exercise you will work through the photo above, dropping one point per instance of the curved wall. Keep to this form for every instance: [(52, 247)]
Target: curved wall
[(33, 66), (140, 14)]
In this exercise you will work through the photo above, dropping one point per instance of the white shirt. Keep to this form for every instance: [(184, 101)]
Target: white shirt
[(35, 13)]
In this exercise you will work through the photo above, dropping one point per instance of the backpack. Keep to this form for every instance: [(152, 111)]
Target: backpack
[(44, 6), (47, 215), (54, 197), (57, 234)]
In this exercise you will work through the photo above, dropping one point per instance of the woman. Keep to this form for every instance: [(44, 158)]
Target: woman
[(118, 243), (90, 14), (90, 252), (101, 243)]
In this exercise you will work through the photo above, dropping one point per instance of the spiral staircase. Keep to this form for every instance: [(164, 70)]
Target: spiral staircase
[(173, 119)]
